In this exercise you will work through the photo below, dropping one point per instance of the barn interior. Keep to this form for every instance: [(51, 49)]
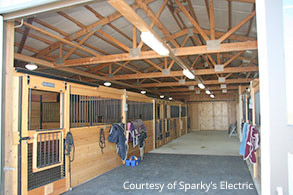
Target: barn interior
[(186, 71)]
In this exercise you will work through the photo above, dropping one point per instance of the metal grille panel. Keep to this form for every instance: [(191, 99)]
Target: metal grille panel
[(91, 111), (183, 111), (139, 110), (174, 111), (41, 178)]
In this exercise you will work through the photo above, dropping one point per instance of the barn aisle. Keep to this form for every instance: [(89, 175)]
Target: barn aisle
[(203, 143), (192, 174)]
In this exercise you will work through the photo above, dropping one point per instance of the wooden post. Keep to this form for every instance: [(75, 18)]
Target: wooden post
[(66, 122), (10, 163)]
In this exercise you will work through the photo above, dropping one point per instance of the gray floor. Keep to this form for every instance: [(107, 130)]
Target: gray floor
[(193, 173), (188, 171), (203, 143)]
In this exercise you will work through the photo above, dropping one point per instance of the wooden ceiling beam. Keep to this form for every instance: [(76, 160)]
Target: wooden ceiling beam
[(198, 72), (250, 22), (99, 16), (232, 58), (188, 83), (232, 91), (181, 89), (157, 22), (192, 20), (74, 71), (59, 38), (185, 51), (25, 35), (88, 28), (235, 28), (212, 20)]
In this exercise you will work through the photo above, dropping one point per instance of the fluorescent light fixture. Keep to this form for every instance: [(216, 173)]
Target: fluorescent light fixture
[(107, 84), (212, 96), (161, 96), (188, 74), (150, 39), (208, 92), (170, 98), (143, 92), (31, 66), (201, 86)]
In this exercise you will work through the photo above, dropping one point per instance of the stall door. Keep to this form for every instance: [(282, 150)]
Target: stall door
[(42, 169)]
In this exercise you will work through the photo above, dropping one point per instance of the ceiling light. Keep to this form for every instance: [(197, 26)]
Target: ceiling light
[(31, 66), (161, 96), (150, 39), (188, 74), (170, 98), (107, 84), (143, 92), (248, 51), (200, 85), (212, 96), (208, 92)]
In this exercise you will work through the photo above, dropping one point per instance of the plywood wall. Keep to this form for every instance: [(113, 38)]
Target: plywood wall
[(212, 115), (89, 161)]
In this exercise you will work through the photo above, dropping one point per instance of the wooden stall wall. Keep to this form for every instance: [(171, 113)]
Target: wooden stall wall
[(89, 161), (212, 115)]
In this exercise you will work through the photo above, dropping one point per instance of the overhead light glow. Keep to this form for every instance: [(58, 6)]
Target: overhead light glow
[(201, 86), (31, 66), (212, 96), (150, 39), (170, 98), (188, 74), (208, 92), (161, 96), (143, 92), (107, 84)]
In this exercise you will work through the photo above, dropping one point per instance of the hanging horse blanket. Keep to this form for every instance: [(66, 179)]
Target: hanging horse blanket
[(117, 136), (252, 144)]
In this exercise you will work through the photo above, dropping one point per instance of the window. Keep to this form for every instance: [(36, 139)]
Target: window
[(44, 110)]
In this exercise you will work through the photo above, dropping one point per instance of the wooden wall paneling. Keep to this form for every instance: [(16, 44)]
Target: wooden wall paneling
[(206, 116), (194, 116)]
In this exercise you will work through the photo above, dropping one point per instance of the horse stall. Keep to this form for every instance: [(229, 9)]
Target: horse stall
[(65, 126)]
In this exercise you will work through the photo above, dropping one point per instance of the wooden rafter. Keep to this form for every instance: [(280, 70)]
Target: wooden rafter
[(212, 19), (235, 28), (25, 35), (181, 89), (73, 71), (250, 22), (60, 39), (225, 47), (109, 24), (232, 58), (192, 20), (188, 83), (88, 28), (179, 73)]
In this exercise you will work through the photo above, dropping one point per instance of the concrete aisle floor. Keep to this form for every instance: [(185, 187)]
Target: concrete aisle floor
[(217, 173), (192, 174), (204, 143)]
